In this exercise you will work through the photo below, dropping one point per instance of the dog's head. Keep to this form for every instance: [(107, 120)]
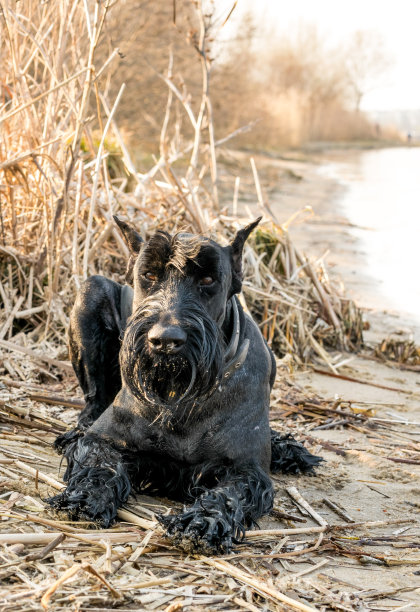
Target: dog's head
[(174, 343)]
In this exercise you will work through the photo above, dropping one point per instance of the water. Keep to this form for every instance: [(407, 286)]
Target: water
[(382, 198)]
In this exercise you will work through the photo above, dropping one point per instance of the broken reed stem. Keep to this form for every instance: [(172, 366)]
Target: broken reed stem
[(286, 555), (204, 93), (45, 538), (165, 123), (235, 196), (257, 183), (294, 494), (95, 184), (338, 510), (263, 533), (71, 572), (57, 400), (213, 162), (39, 475), (74, 250), (255, 583), (38, 555)]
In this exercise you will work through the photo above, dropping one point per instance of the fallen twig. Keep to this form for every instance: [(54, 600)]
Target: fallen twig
[(57, 400), (359, 381), (294, 494), (338, 510)]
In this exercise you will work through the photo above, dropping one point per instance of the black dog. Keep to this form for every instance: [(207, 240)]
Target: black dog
[(180, 406)]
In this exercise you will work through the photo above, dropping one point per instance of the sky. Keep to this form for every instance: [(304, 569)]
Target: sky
[(397, 21)]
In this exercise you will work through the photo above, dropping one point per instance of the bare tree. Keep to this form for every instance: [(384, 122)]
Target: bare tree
[(366, 61)]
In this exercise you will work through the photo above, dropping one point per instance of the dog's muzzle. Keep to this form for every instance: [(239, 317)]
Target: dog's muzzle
[(167, 364)]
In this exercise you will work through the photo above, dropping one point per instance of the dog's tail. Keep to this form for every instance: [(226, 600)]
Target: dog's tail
[(289, 456)]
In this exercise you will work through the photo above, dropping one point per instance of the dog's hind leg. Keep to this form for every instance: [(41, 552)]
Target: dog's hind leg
[(220, 515), (95, 331), (290, 456), (97, 481)]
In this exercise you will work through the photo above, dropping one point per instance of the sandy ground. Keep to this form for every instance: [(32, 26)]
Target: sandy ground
[(364, 481)]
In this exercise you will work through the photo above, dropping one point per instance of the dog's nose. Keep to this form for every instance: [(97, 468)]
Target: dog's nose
[(166, 339)]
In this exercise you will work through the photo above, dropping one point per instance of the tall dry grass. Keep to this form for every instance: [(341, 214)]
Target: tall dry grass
[(297, 87), (65, 170)]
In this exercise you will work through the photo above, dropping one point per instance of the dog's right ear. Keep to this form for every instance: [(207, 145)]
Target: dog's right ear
[(236, 248), (134, 242), (131, 237)]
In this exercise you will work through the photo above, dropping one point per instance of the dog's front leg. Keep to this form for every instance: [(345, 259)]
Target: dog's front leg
[(97, 481), (220, 515)]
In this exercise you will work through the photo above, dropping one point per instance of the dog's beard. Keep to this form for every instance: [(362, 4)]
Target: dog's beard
[(170, 381), (167, 379)]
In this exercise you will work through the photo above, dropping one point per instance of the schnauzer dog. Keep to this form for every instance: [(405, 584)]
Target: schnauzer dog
[(177, 382)]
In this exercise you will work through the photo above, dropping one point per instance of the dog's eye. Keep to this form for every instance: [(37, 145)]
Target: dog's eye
[(151, 277), (206, 281)]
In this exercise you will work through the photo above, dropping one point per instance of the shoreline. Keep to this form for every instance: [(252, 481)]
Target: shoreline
[(363, 479), (328, 233)]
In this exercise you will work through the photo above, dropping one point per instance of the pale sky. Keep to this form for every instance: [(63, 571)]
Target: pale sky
[(397, 21)]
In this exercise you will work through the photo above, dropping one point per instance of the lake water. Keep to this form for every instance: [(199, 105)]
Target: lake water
[(382, 198)]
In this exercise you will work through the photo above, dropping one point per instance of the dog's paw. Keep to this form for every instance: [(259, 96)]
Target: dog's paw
[(95, 494), (199, 533), (80, 505)]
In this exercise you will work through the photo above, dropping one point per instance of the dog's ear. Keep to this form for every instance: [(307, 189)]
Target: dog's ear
[(134, 242), (131, 237), (236, 248)]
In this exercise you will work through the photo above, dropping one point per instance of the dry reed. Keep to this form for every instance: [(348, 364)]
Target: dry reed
[(62, 177), (61, 183), (47, 560)]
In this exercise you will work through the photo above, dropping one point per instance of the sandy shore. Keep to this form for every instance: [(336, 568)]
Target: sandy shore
[(328, 233)]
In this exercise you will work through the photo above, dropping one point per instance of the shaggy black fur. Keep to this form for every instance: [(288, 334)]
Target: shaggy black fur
[(289, 456), (184, 413), (93, 466)]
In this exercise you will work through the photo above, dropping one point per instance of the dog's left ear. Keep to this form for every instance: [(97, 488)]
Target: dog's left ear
[(131, 237), (133, 241), (236, 248)]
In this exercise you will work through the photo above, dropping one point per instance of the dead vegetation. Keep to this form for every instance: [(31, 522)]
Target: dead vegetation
[(47, 561), (293, 88), (402, 351), (63, 174), (60, 187)]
